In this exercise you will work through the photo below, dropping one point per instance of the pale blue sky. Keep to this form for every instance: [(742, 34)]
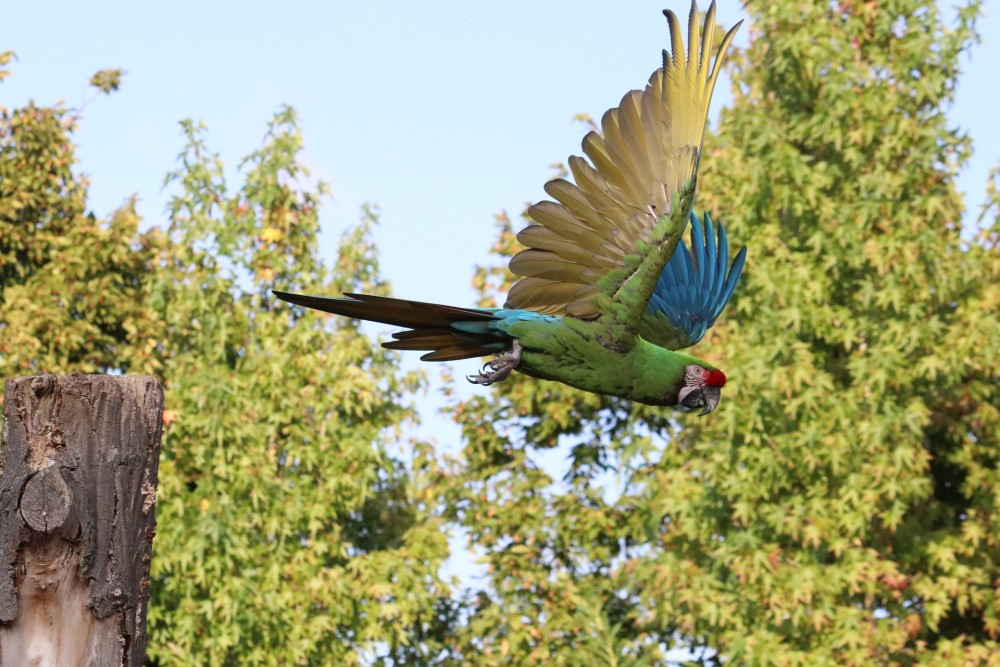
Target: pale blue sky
[(443, 113)]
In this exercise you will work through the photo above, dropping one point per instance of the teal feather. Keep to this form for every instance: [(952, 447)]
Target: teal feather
[(693, 288)]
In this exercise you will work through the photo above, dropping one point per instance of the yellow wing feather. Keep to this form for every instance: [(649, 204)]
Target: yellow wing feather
[(609, 235)]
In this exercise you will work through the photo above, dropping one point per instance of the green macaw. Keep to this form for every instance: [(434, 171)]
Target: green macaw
[(608, 291)]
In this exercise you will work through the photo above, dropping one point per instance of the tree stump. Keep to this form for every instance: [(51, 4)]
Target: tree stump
[(78, 474)]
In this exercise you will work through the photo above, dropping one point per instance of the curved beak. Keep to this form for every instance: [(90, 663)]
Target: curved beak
[(707, 398), (711, 397)]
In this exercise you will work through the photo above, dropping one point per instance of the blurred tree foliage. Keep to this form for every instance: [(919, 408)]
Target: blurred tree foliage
[(840, 508), (288, 534), (72, 287)]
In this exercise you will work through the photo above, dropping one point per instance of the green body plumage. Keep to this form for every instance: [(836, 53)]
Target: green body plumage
[(569, 351), (563, 349)]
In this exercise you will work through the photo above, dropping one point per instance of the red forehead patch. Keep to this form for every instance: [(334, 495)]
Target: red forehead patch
[(716, 379)]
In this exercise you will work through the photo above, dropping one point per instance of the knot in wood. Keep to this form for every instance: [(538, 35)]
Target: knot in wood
[(43, 385), (46, 500)]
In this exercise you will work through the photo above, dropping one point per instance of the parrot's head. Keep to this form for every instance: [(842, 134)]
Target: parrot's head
[(702, 388)]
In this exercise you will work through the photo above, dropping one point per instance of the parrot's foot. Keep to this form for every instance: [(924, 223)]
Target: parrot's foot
[(500, 367)]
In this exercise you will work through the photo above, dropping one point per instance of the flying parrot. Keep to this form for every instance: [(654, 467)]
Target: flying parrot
[(607, 290)]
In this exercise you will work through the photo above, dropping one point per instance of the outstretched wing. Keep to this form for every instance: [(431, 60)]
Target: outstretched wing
[(598, 250), (693, 288)]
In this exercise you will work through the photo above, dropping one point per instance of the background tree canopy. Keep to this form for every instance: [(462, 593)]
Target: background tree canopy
[(839, 508)]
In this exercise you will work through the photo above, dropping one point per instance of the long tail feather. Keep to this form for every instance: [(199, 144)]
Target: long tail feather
[(449, 332)]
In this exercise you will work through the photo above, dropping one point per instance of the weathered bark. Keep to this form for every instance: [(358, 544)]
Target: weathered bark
[(78, 471)]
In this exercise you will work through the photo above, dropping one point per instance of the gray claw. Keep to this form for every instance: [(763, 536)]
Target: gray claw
[(500, 367)]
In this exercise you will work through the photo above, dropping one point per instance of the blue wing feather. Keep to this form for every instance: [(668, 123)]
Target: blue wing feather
[(694, 287), (706, 253)]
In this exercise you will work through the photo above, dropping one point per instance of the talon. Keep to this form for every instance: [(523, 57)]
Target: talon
[(499, 367)]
